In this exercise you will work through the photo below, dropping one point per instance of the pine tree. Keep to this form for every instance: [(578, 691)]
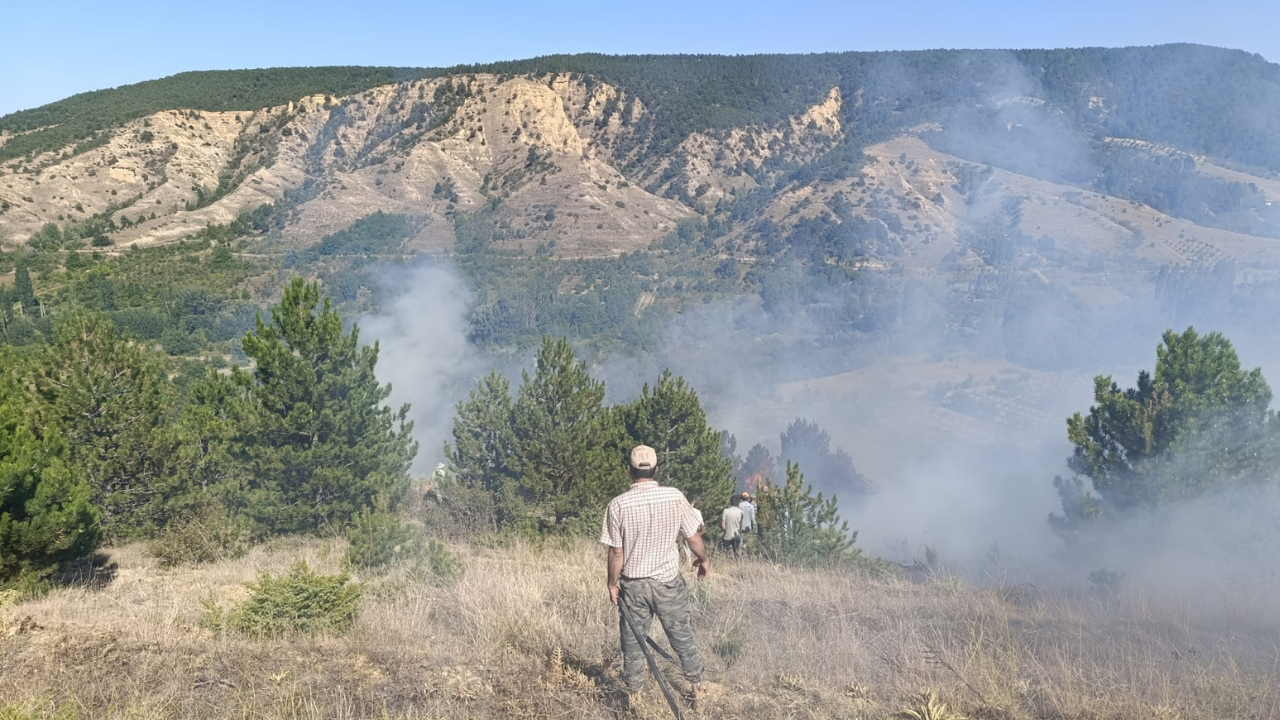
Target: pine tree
[(46, 518), (562, 457), (111, 399), (316, 443), (729, 451), (215, 407), (482, 454), (757, 467), (805, 443), (797, 528), (1200, 423), (669, 418), (22, 287)]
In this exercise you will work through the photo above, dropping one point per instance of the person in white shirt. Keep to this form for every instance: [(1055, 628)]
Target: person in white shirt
[(684, 546), (731, 523), (748, 513), (642, 527)]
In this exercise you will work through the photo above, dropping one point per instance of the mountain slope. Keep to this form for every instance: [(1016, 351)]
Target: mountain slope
[(990, 180)]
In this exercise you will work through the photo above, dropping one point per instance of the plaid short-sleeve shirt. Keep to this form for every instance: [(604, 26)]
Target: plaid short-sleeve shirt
[(646, 522)]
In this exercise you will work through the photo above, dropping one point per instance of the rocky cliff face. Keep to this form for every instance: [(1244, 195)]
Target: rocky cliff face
[(545, 151)]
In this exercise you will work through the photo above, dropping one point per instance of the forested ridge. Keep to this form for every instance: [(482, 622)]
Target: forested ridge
[(1203, 99)]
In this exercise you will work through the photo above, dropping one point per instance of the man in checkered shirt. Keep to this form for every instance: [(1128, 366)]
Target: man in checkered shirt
[(642, 528)]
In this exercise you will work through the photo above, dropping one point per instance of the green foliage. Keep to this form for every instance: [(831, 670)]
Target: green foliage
[(757, 467), (797, 528), (187, 292), (552, 458), (563, 466), (1200, 423), (442, 567), (46, 518), (1106, 583), (370, 235), (927, 706), (377, 539), (614, 304), (301, 602), (482, 454), (40, 711), (110, 398), (22, 287), (730, 647), (47, 239), (315, 441), (203, 534), (544, 458), (669, 418)]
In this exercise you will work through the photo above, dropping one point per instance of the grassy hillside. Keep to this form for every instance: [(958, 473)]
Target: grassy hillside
[(528, 632)]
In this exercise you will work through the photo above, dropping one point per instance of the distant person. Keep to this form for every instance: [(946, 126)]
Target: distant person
[(748, 512), (642, 527), (731, 523)]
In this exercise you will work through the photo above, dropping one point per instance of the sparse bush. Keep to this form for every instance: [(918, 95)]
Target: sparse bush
[(441, 566), (1106, 583), (454, 510), (927, 706), (729, 648), (377, 539), (206, 534), (301, 601)]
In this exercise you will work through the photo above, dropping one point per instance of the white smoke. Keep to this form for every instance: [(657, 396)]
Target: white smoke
[(424, 351), (961, 426)]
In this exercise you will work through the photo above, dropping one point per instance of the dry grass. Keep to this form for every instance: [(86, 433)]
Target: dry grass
[(529, 633)]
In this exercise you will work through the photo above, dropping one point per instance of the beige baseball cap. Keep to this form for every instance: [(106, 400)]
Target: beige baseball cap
[(644, 457)]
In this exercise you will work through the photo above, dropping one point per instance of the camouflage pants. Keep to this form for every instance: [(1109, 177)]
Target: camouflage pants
[(644, 598)]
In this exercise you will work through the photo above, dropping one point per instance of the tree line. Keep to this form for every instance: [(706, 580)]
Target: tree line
[(98, 444), (548, 458), (96, 447)]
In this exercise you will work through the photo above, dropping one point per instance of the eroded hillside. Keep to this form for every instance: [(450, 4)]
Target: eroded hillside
[(986, 197), (538, 149)]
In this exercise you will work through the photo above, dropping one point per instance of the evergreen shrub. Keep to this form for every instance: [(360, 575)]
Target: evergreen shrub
[(301, 601)]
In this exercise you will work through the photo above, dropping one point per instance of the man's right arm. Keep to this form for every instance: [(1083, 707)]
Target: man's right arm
[(616, 560)]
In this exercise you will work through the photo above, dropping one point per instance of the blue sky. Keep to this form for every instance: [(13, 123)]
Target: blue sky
[(52, 49)]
